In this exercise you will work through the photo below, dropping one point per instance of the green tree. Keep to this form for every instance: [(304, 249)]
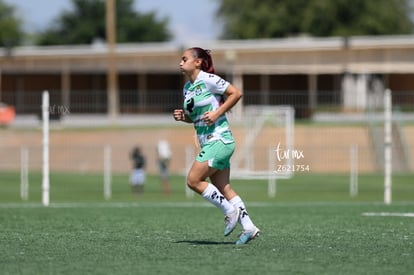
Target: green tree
[(86, 22), (11, 32), (281, 18)]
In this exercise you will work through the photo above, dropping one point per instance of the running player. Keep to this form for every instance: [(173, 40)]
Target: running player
[(207, 98)]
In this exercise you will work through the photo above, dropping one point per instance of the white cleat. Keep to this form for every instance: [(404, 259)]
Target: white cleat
[(248, 235), (231, 221)]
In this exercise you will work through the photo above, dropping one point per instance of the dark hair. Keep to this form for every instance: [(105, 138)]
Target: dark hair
[(207, 61)]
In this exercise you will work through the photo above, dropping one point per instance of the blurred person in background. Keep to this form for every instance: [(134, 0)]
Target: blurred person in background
[(164, 157), (207, 98), (138, 173)]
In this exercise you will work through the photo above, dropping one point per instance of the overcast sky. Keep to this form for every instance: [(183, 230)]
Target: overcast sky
[(189, 19)]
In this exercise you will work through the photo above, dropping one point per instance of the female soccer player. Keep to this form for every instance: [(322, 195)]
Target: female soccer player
[(207, 98)]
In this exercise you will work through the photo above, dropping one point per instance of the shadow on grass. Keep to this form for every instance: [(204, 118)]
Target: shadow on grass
[(196, 242)]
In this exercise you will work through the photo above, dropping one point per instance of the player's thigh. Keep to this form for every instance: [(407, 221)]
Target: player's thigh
[(199, 171)]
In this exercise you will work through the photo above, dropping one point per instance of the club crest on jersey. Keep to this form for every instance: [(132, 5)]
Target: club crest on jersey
[(198, 90)]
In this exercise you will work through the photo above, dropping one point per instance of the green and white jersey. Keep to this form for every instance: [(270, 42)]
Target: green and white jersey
[(205, 94)]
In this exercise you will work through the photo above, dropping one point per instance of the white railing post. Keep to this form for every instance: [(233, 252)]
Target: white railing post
[(45, 176), (387, 146)]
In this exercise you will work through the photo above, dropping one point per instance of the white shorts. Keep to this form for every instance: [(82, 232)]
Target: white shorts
[(137, 177)]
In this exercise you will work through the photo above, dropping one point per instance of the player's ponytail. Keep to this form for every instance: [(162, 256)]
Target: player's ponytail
[(205, 56)]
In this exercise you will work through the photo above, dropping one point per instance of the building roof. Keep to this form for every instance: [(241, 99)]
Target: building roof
[(298, 55)]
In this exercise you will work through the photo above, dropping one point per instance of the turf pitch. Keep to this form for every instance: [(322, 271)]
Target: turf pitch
[(311, 227)]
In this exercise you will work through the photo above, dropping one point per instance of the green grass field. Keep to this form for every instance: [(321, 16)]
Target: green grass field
[(312, 226)]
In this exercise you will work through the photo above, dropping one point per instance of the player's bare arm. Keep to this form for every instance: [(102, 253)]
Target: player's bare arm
[(233, 95)]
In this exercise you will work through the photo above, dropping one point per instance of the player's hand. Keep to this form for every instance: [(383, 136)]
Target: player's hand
[(210, 117), (179, 115)]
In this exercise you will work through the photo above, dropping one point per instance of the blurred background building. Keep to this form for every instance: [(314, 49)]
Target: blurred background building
[(312, 74), (102, 68)]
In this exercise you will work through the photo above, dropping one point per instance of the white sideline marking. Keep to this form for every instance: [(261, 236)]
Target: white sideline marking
[(105, 205), (192, 204), (387, 214)]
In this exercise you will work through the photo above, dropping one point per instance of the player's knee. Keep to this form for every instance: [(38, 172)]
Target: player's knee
[(192, 182)]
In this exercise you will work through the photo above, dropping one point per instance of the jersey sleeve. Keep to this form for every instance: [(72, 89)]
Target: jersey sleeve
[(216, 84)]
